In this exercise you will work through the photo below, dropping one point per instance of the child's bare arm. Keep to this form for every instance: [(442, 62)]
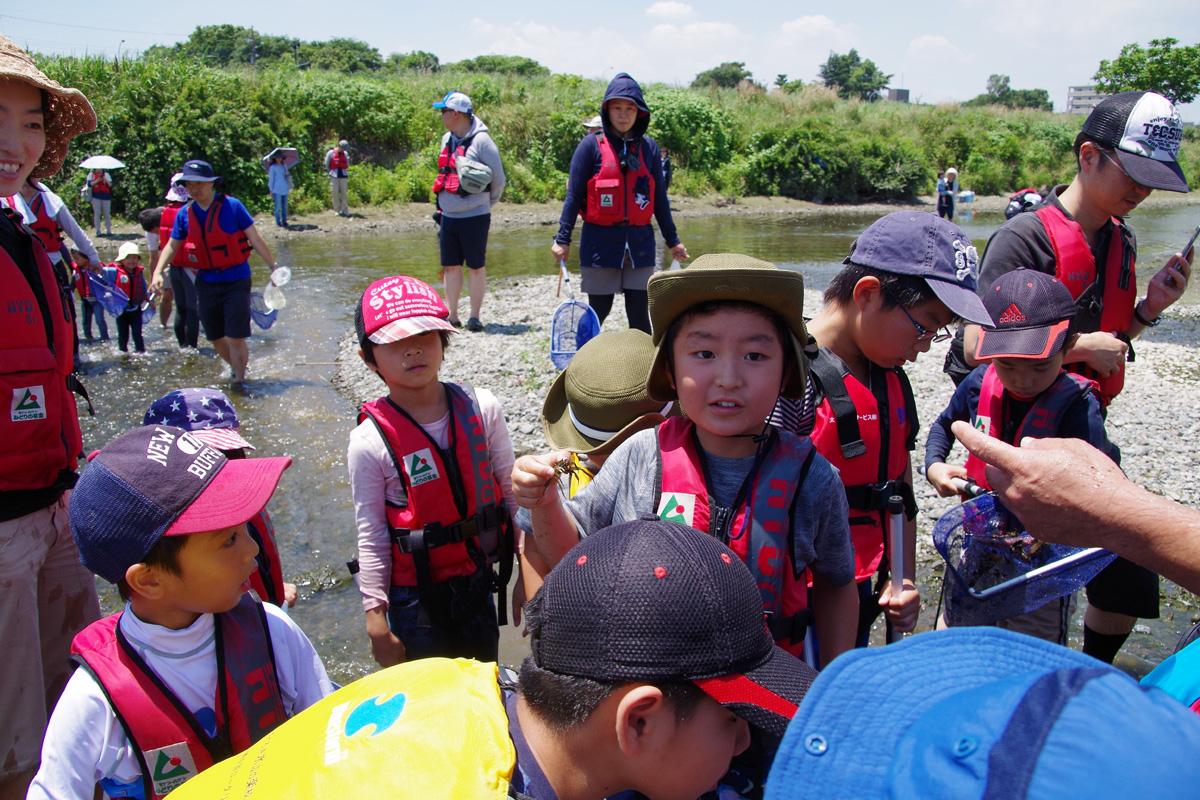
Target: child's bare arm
[(941, 475), (835, 614), (386, 648), (534, 482)]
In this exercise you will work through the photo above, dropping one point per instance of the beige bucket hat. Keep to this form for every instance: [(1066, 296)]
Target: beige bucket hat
[(68, 113), (726, 276), (600, 399)]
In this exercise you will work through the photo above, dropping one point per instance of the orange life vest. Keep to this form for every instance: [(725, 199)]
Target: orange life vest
[(165, 225), (208, 246), (447, 177)]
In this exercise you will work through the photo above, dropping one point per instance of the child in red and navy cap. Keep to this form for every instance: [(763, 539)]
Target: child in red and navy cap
[(1021, 390)]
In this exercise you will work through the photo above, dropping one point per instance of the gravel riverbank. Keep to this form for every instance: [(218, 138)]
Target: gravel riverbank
[(1157, 428)]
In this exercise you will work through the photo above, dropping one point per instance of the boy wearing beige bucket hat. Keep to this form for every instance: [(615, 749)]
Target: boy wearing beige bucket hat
[(48, 596), (728, 334)]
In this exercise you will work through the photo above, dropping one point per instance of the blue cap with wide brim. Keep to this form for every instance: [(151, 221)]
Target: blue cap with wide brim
[(981, 712)]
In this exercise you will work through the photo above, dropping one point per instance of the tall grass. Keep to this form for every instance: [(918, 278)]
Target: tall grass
[(156, 112)]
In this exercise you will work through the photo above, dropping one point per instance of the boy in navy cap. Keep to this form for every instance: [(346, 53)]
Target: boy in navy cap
[(194, 669), (1128, 147), (908, 276), (1021, 390), (209, 416)]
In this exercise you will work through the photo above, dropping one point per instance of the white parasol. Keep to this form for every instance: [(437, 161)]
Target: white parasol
[(101, 162)]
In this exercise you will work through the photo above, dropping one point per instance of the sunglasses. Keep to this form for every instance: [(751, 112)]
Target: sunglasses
[(923, 333)]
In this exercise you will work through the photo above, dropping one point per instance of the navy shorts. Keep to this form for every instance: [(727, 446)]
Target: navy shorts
[(464, 240), (476, 635), (1124, 587), (224, 308)]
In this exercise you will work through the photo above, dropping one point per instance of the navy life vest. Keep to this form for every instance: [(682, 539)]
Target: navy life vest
[(616, 195), (208, 246), (40, 429), (1105, 295), (871, 457), (759, 527), (1040, 422), (170, 744), (454, 522)]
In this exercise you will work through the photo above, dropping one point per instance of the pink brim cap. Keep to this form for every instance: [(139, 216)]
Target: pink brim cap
[(410, 326), (222, 438), (235, 494), (1032, 343)]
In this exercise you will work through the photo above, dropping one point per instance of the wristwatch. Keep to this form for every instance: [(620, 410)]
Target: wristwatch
[(1137, 313)]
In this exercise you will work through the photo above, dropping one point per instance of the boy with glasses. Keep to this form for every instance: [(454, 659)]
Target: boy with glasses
[(1128, 147), (908, 276)]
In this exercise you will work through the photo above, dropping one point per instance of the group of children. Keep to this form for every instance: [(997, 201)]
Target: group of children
[(730, 420)]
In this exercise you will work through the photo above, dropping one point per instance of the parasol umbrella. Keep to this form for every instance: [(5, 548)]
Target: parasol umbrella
[(291, 157), (101, 162)]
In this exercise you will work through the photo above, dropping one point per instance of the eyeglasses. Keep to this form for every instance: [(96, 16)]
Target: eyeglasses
[(1117, 164), (923, 333)]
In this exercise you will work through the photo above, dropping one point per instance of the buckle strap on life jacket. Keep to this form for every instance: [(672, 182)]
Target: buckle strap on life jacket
[(834, 385), (874, 496), (436, 534), (792, 628)]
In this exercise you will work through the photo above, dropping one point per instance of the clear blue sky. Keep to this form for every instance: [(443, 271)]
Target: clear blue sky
[(939, 51)]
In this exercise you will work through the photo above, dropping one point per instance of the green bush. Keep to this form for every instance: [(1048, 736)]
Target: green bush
[(690, 126)]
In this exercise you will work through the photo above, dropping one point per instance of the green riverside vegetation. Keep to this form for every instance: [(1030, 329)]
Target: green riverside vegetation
[(156, 111)]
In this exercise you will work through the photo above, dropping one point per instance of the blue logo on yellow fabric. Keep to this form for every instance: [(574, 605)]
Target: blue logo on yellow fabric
[(380, 711)]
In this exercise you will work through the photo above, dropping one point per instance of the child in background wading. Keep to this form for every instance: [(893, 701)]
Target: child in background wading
[(909, 275), (429, 470), (130, 280), (728, 331), (1021, 390)]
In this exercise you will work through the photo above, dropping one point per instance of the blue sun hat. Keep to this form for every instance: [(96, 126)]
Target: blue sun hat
[(983, 713), (206, 413)]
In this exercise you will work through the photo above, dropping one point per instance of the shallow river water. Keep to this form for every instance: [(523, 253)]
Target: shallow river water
[(288, 407)]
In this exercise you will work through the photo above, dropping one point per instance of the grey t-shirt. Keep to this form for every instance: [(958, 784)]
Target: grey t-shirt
[(627, 487)]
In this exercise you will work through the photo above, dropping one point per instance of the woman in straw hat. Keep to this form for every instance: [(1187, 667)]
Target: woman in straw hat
[(48, 595)]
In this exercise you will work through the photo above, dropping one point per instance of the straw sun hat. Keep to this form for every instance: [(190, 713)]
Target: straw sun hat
[(67, 112), (600, 399), (727, 276)]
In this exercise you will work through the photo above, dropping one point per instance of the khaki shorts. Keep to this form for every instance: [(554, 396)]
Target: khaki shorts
[(606, 280), (48, 597), (1051, 622)]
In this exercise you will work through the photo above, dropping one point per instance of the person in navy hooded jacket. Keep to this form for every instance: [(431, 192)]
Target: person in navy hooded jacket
[(616, 185)]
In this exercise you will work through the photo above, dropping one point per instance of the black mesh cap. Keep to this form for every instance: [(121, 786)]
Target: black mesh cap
[(1144, 130), (658, 601)]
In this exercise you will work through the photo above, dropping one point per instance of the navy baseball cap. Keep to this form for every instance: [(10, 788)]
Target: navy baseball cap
[(160, 481), (927, 246), (650, 600), (979, 712), (1145, 131), (205, 413), (197, 170), (1031, 314)]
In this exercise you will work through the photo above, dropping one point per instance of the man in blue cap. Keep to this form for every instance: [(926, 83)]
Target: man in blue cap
[(470, 181)]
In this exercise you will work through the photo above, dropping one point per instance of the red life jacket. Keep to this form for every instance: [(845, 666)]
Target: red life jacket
[(267, 581), (40, 427), (208, 246), (447, 177), (872, 458), (611, 195), (455, 521), (170, 211), (758, 529), (131, 283), (1116, 286), (338, 159), (170, 744), (100, 185), (45, 226), (83, 283), (1040, 422)]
